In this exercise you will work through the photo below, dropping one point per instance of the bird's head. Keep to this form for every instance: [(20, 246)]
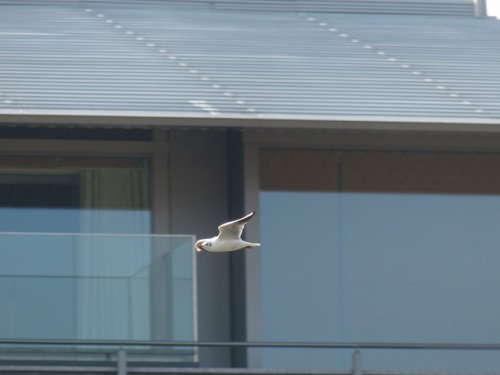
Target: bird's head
[(202, 245)]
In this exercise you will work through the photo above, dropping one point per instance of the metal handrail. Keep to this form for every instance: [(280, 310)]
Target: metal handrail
[(259, 344), (121, 347)]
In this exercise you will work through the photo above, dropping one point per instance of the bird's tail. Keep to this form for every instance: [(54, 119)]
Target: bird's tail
[(253, 244)]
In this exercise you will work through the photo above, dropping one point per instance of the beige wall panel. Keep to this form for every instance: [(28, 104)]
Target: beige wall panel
[(380, 171)]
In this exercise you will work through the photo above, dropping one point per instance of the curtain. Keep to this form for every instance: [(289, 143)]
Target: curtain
[(112, 299)]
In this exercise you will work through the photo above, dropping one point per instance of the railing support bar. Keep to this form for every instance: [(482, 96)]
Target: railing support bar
[(122, 362), (356, 363)]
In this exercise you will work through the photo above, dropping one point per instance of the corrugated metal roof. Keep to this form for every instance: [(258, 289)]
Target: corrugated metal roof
[(434, 7), (169, 59)]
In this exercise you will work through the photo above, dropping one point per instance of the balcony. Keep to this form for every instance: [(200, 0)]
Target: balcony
[(96, 288)]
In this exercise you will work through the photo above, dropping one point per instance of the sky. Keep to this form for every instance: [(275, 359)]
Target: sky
[(493, 8)]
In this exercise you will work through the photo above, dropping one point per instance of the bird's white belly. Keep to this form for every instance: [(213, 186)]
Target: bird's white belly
[(225, 246)]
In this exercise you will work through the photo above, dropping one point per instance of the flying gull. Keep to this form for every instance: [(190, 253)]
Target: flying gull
[(229, 238)]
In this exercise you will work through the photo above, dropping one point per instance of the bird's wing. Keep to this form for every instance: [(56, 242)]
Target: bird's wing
[(232, 230)]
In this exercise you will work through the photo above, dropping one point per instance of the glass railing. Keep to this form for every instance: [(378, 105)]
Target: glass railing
[(92, 287), (381, 267)]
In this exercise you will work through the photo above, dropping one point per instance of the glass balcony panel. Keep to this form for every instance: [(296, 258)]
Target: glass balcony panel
[(379, 267), (97, 287)]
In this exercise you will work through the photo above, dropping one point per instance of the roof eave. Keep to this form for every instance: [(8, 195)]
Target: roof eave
[(135, 119)]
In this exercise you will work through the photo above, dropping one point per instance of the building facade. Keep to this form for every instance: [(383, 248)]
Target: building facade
[(366, 138)]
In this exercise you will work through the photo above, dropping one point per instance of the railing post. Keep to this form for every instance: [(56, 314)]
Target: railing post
[(356, 363), (122, 361)]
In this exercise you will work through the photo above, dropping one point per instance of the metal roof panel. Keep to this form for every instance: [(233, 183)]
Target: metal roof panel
[(162, 58)]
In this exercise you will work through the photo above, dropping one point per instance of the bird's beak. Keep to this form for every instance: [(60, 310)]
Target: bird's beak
[(199, 247)]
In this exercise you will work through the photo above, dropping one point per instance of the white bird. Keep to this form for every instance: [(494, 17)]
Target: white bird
[(229, 238)]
